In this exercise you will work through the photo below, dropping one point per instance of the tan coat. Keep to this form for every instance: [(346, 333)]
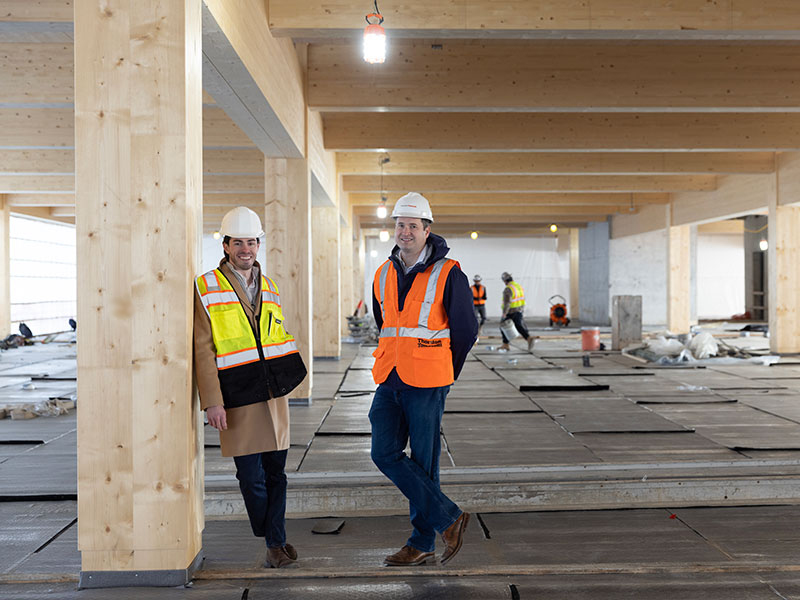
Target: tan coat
[(260, 427)]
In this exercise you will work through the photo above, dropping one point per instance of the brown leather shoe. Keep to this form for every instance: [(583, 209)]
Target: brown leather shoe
[(407, 557), (280, 557), (453, 537)]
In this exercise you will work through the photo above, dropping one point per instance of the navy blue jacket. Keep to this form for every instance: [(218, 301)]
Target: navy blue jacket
[(457, 304)]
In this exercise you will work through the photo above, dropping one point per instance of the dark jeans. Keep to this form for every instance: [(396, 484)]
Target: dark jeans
[(415, 416), (263, 484), (480, 314), (519, 323)]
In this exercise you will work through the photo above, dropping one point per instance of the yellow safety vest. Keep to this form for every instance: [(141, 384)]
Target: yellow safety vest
[(234, 338), (517, 295)]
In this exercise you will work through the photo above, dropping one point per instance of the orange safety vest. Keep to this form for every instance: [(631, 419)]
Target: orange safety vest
[(478, 293), (416, 340)]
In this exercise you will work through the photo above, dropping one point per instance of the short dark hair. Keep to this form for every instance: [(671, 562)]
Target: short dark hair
[(426, 223)]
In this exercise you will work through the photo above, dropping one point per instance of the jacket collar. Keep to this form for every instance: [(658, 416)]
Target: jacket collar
[(440, 250)]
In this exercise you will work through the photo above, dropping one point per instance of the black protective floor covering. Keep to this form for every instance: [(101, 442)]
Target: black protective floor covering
[(735, 425), (527, 439), (650, 446), (25, 526), (483, 390), (552, 380), (518, 403), (347, 416), (358, 381), (47, 469), (40, 429), (613, 415)]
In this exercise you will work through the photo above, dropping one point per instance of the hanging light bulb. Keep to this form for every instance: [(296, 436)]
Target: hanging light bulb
[(216, 235), (373, 253), (474, 235), (763, 244), (374, 38), (383, 235), (381, 211), (553, 227)]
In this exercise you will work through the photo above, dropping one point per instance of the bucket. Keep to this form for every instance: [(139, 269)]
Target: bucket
[(590, 338), (507, 327)]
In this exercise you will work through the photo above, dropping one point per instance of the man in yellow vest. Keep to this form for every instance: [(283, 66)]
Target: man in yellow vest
[(245, 365), (423, 307), (513, 308)]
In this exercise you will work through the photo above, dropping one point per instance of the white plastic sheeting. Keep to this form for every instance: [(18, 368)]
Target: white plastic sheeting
[(43, 274), (720, 275), (534, 262)]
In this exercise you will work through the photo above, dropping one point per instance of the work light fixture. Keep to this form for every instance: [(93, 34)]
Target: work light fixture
[(763, 245), (216, 235), (374, 38), (383, 235), (381, 212), (474, 235), (553, 227)]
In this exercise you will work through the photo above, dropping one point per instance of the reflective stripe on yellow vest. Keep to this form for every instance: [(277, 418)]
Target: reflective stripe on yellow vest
[(233, 337), (517, 295), (416, 340)]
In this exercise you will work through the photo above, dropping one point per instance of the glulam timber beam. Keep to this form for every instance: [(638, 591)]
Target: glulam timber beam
[(37, 128), (484, 18), (38, 10), (554, 163), (503, 75), (521, 211), (529, 183), (437, 199), (17, 200), (562, 220), (562, 131)]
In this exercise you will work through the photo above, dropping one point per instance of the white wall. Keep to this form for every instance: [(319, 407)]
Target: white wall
[(720, 276), (638, 267), (43, 274), (533, 262)]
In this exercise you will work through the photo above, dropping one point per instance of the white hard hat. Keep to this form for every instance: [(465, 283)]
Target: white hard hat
[(477, 278), (413, 205), (241, 222)]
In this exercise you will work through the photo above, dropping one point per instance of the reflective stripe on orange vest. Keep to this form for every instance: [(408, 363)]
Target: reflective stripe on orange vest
[(416, 340)]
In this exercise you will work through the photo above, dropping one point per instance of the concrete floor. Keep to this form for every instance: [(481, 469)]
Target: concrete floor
[(652, 434)]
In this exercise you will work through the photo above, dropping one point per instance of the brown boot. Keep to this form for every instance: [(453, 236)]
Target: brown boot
[(280, 556), (453, 537), (407, 557), (504, 347)]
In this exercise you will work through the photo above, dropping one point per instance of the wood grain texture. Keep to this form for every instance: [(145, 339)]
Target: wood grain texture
[(552, 163), (529, 183), (37, 73), (489, 75), (5, 268), (782, 274), (678, 279), (287, 221), (327, 281), (37, 10), (562, 131), (735, 195), (139, 179), (587, 198)]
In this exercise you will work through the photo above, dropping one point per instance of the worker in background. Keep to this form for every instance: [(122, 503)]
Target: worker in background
[(479, 302), (423, 308), (245, 364), (513, 308)]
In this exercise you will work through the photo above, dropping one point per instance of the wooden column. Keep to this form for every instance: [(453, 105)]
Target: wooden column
[(327, 293), (347, 276), (359, 271), (574, 273), (784, 277), (287, 222), (138, 154), (5, 268), (678, 279)]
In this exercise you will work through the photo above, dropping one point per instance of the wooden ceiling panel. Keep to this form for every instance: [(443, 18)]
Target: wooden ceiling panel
[(519, 199), (534, 76), (562, 131)]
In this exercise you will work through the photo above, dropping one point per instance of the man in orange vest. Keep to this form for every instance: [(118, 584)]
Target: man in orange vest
[(479, 301), (423, 307)]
